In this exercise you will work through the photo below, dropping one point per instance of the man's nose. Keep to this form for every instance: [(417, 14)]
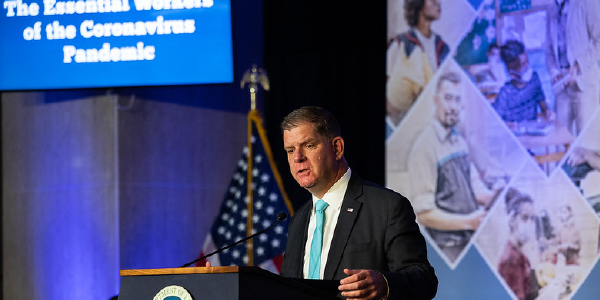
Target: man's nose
[(455, 105), (299, 156)]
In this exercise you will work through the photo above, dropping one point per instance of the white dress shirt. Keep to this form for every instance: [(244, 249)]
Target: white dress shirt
[(429, 47), (334, 197)]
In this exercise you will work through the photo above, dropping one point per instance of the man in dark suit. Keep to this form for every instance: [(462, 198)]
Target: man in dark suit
[(366, 234)]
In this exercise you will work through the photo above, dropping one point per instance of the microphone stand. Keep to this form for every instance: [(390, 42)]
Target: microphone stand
[(280, 217)]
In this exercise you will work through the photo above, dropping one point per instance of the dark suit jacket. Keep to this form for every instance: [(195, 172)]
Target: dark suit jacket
[(376, 230)]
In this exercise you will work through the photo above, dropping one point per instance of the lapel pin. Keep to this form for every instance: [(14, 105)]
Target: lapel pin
[(350, 209)]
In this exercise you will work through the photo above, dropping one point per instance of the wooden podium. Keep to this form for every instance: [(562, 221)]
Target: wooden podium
[(223, 283)]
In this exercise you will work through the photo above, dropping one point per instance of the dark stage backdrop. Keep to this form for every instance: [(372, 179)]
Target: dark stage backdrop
[(330, 54)]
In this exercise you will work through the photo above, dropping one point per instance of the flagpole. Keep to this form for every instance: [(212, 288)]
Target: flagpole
[(249, 194), (254, 77)]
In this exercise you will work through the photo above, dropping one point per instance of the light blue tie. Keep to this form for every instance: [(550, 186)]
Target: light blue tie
[(314, 265)]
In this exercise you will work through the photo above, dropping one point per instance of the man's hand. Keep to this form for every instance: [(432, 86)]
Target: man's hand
[(363, 284), (557, 77), (578, 156), (473, 220), (574, 71), (549, 116), (495, 178)]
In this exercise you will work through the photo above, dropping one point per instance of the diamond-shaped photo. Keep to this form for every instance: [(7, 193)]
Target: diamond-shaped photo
[(421, 35), (544, 86), (451, 157), (582, 163), (540, 239)]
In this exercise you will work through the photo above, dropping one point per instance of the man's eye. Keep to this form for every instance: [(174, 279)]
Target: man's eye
[(310, 146), (289, 151)]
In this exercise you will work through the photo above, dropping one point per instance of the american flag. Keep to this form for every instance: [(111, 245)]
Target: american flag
[(269, 200)]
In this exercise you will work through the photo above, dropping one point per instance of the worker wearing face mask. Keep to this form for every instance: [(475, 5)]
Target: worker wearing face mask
[(521, 98), (514, 266), (491, 79)]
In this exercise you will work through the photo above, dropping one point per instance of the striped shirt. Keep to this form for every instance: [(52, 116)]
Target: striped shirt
[(516, 105)]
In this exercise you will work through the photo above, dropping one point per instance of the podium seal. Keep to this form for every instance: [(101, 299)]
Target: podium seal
[(173, 292)]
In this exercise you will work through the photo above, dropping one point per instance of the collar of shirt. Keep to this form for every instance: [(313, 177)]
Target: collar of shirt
[(423, 38), (562, 5), (428, 44), (335, 194), (443, 134)]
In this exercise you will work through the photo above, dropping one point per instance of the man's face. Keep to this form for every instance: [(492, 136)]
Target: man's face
[(565, 215), (431, 10), (448, 103), (493, 55), (312, 158), (520, 65)]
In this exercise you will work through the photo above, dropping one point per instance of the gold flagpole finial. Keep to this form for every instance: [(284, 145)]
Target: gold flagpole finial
[(253, 77)]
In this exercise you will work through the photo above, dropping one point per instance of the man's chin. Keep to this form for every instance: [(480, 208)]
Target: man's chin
[(307, 185), (451, 122)]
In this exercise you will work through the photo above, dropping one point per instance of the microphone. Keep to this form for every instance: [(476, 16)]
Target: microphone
[(280, 217)]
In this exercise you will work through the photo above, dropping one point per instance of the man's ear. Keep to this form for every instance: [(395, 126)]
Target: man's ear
[(338, 147)]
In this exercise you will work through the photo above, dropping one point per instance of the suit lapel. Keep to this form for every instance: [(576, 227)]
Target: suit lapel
[(298, 258), (348, 213)]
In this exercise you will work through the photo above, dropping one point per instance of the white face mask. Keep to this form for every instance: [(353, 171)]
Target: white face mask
[(525, 232), (522, 76)]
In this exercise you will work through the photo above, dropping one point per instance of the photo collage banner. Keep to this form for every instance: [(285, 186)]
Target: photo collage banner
[(493, 134)]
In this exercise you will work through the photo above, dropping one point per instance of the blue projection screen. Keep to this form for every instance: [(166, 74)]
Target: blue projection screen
[(508, 208), (53, 44)]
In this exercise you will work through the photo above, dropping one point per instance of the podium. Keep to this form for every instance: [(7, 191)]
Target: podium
[(222, 283)]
